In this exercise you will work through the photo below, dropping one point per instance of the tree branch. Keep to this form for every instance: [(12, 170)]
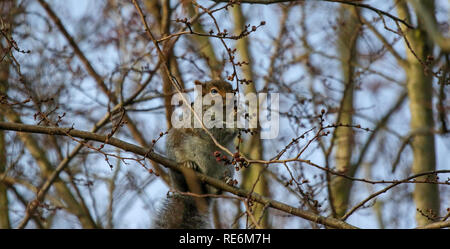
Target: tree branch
[(96, 76), (355, 3), (436, 225), (331, 222)]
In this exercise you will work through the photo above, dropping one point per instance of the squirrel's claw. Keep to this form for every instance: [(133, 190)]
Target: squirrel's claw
[(191, 165), (229, 180)]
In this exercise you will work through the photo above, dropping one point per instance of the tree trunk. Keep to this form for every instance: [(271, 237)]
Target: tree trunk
[(6, 9), (4, 203), (253, 148), (419, 86), (348, 35)]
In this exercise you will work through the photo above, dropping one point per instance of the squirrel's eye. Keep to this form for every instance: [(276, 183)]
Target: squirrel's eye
[(214, 91)]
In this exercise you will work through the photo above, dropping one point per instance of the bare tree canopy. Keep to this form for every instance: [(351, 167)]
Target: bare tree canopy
[(350, 98)]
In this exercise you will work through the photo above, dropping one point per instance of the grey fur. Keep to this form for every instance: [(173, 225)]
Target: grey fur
[(194, 148)]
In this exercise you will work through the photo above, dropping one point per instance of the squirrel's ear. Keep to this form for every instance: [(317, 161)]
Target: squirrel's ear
[(197, 82)]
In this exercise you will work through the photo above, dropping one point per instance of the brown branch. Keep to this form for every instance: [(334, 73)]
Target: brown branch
[(431, 26), (436, 225), (389, 187), (37, 152), (331, 222), (172, 79), (401, 61), (379, 126), (355, 3), (98, 79), (55, 174)]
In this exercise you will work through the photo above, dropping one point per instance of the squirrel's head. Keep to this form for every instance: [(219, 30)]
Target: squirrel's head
[(211, 90), (214, 87)]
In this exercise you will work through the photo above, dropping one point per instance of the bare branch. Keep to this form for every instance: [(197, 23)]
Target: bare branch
[(355, 3), (331, 222)]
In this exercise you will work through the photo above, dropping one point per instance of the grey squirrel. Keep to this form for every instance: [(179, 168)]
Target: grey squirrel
[(194, 148)]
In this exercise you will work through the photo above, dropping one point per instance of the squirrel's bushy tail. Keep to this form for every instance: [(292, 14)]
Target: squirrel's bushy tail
[(180, 212)]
